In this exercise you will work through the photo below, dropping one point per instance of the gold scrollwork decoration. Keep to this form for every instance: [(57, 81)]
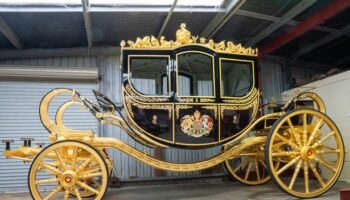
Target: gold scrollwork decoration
[(206, 100), (254, 104), (131, 93), (215, 108), (186, 100), (129, 103), (179, 107), (184, 37), (245, 100)]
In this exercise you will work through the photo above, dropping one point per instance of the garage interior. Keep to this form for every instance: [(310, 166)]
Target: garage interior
[(45, 44)]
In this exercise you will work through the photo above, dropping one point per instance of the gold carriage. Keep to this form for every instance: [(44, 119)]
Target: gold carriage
[(189, 93)]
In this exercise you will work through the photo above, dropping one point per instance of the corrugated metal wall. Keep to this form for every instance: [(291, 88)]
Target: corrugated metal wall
[(276, 76), (19, 117), (273, 83)]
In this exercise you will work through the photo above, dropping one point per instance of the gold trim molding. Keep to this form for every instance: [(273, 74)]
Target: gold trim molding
[(184, 37)]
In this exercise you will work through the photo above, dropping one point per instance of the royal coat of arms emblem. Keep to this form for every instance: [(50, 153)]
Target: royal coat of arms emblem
[(196, 125)]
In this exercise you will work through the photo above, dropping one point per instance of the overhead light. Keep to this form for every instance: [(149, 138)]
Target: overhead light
[(205, 3), (41, 1)]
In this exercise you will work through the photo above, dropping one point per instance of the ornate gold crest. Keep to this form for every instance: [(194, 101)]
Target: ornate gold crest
[(184, 37), (196, 125)]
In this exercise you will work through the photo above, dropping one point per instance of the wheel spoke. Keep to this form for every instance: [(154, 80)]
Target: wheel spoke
[(285, 153), (314, 131), (248, 170), (60, 159), (287, 141), (257, 169), (317, 175), (304, 129), (288, 165), (77, 193), (325, 164), (295, 174), (85, 163), (50, 168), (296, 136), (66, 195), (328, 151), (86, 176), (91, 170), (52, 193), (306, 176), (318, 143), (74, 160), (85, 186), (44, 181), (238, 167)]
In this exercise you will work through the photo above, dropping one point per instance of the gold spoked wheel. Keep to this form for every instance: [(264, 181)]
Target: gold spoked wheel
[(68, 167), (311, 150), (249, 167)]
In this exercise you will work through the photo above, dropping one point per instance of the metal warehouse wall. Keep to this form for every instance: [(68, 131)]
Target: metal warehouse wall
[(276, 76), (274, 82)]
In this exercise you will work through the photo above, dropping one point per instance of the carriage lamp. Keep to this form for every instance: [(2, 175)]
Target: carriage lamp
[(27, 142), (8, 144)]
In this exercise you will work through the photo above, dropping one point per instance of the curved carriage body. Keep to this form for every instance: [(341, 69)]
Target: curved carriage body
[(188, 93), (190, 96)]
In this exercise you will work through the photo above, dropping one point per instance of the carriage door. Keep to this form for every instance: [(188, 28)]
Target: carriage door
[(195, 108)]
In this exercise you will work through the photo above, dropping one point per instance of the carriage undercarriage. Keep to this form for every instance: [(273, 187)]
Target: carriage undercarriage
[(78, 163), (202, 94)]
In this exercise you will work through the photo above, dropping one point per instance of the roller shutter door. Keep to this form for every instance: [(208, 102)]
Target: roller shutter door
[(19, 117)]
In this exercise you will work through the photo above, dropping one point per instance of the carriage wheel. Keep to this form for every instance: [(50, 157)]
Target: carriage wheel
[(68, 167), (84, 193), (249, 167), (312, 151)]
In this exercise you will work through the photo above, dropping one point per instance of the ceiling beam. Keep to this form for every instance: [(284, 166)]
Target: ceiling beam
[(279, 20), (319, 17), (76, 9), (167, 19), (87, 20), (59, 52), (221, 17), (9, 34), (321, 42), (296, 10)]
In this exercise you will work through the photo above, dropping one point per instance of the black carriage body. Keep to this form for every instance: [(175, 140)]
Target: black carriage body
[(187, 108)]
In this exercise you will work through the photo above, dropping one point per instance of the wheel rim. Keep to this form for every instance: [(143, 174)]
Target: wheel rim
[(249, 167), (65, 168), (311, 149)]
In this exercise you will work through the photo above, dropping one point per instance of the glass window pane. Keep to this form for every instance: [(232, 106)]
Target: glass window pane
[(195, 75), (149, 75), (236, 78)]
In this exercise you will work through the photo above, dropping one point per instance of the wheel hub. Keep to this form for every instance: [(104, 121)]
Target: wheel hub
[(69, 178), (307, 153)]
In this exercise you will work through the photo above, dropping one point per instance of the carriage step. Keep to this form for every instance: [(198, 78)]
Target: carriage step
[(27, 142), (8, 144)]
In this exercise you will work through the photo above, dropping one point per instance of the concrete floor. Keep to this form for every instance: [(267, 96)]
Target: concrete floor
[(194, 191)]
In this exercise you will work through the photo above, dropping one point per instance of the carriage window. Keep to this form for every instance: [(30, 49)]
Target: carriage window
[(236, 78), (149, 75), (195, 75)]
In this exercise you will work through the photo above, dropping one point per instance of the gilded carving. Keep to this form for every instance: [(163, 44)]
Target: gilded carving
[(131, 93), (184, 37), (196, 125), (178, 107), (129, 103), (245, 100), (253, 104)]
